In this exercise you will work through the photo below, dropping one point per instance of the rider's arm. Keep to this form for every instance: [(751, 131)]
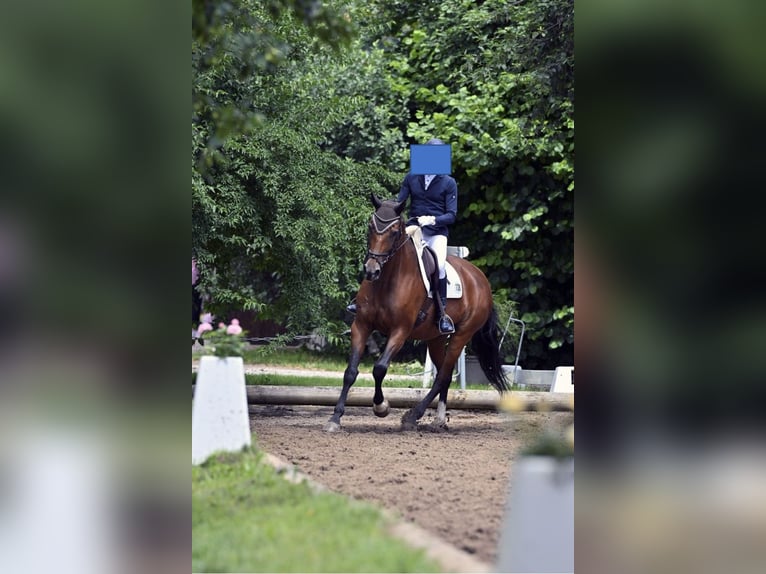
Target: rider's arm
[(450, 205), (404, 191)]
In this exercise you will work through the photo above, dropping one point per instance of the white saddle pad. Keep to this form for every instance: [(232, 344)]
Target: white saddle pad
[(454, 284)]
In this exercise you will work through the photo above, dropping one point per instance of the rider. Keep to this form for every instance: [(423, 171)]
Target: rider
[(433, 206)]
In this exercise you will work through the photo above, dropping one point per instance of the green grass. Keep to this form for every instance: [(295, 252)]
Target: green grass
[(247, 518), (305, 359), (297, 381), (290, 380)]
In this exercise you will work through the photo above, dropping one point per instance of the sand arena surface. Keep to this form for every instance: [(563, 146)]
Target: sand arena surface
[(453, 484)]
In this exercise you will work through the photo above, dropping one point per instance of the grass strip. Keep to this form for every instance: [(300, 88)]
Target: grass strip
[(314, 360), (299, 381), (247, 518), (290, 380)]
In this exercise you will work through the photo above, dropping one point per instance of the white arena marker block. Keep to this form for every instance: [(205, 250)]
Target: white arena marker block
[(538, 533), (563, 380), (219, 415)]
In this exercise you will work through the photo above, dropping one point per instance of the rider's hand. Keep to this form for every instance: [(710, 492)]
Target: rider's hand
[(424, 220)]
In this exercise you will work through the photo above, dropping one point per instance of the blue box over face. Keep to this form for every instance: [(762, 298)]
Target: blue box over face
[(430, 159)]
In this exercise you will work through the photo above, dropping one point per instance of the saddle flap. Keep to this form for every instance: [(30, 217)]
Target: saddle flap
[(429, 261)]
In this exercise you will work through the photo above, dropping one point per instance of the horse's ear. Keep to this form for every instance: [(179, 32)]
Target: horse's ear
[(375, 201), (400, 207)]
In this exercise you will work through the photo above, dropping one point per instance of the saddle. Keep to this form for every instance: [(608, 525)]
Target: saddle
[(428, 266), (429, 270)]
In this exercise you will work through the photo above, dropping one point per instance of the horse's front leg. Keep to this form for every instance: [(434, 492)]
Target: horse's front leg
[(395, 341), (359, 336)]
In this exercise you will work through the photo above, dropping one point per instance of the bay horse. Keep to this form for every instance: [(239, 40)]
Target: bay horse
[(389, 300)]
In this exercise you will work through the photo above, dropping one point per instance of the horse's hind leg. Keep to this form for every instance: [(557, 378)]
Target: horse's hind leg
[(359, 336), (440, 386), (379, 403), (437, 350)]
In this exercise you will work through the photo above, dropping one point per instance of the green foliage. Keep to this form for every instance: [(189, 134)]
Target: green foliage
[(223, 344), (373, 127), (280, 227), (247, 518), (496, 81), (294, 127), (278, 223), (550, 444), (237, 45)]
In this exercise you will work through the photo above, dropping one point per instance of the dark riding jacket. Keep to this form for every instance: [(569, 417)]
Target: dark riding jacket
[(439, 200)]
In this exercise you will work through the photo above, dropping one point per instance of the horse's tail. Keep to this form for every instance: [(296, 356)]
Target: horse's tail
[(485, 345)]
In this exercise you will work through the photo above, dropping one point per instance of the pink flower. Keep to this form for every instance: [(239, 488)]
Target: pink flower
[(221, 325), (206, 318), (234, 328), (204, 326)]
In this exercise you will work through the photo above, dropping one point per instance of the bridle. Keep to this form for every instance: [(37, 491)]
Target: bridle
[(381, 226)]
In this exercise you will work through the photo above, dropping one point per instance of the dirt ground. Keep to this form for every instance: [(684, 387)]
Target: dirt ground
[(453, 484)]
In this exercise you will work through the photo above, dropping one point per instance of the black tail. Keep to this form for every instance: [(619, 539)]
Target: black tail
[(485, 345)]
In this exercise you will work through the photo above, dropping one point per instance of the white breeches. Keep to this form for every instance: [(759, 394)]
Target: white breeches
[(439, 244)]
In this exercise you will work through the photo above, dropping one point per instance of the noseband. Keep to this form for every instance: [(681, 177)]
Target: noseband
[(381, 226)]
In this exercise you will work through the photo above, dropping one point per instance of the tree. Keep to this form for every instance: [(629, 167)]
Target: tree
[(277, 221), (294, 126), (496, 81)]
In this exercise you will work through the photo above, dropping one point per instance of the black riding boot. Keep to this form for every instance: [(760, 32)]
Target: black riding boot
[(446, 326), (350, 314)]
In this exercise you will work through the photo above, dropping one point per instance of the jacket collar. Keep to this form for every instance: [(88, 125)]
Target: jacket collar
[(422, 179)]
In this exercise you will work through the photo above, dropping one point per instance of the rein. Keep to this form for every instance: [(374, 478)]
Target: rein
[(382, 258)]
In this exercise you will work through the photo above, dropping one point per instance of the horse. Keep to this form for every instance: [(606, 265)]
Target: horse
[(392, 298)]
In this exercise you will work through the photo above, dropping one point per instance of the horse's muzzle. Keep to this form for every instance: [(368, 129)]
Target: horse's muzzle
[(371, 269)]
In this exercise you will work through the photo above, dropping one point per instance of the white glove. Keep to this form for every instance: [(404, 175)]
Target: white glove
[(424, 220)]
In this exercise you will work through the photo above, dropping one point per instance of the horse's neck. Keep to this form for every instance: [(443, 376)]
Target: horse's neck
[(401, 267)]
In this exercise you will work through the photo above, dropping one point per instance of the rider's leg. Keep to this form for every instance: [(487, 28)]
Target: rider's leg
[(439, 244)]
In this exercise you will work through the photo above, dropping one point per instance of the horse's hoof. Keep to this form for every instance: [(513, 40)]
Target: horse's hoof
[(409, 422), (381, 410), (409, 425), (332, 426)]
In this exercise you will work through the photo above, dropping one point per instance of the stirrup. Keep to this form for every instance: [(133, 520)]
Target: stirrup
[(351, 308), (446, 326)]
